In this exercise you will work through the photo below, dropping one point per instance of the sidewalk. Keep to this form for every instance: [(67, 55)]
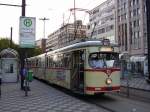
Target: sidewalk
[(137, 83), (41, 98)]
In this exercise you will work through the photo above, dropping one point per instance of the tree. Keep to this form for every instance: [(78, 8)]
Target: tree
[(5, 43)]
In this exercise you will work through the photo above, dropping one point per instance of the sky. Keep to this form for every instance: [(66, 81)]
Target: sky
[(54, 10)]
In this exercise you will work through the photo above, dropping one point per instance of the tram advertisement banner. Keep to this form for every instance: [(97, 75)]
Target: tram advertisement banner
[(27, 27)]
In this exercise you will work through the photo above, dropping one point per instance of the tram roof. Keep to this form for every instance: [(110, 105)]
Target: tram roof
[(76, 46), (82, 45)]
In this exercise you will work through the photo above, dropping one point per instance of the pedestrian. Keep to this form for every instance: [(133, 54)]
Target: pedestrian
[(23, 73)]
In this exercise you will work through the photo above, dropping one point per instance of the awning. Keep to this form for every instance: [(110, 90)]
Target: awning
[(137, 58)]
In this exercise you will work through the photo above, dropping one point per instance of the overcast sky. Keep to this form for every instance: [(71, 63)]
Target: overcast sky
[(52, 9)]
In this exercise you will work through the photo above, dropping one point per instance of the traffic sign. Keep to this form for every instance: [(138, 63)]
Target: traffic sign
[(27, 32)]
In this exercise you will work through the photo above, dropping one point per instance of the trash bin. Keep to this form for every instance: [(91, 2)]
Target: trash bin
[(30, 75)]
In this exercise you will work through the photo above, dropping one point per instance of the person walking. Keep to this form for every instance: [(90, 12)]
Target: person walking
[(23, 73)]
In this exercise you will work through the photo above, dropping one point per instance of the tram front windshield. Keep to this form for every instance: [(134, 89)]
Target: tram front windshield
[(104, 60)]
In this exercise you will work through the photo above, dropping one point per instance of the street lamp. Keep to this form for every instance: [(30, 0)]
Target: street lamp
[(148, 37), (44, 19)]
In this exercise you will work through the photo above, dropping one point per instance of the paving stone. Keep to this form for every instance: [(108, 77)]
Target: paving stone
[(41, 98), (138, 83)]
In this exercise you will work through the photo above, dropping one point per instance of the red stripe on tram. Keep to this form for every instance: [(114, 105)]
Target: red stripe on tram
[(105, 70), (103, 88)]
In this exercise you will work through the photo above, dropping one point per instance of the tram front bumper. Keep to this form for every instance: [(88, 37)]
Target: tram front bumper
[(93, 90)]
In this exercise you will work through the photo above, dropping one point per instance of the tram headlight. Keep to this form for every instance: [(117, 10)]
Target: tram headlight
[(108, 81)]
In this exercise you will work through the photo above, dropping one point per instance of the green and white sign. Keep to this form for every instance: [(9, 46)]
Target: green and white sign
[(27, 32)]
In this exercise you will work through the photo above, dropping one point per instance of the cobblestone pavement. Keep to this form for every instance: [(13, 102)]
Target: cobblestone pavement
[(41, 98), (136, 82)]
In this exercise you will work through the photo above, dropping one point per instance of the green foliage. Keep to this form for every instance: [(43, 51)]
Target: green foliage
[(5, 43)]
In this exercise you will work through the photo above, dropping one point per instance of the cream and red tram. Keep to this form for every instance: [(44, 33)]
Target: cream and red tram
[(88, 67)]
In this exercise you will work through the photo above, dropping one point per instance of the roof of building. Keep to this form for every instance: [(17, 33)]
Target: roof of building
[(9, 53)]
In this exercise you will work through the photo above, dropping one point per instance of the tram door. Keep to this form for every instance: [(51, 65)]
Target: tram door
[(78, 70)]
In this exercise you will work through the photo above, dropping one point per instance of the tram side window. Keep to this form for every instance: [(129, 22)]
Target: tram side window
[(66, 60), (46, 62), (33, 63), (51, 62), (60, 59), (36, 64)]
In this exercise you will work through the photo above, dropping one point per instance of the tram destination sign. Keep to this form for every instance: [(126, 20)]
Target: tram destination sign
[(27, 27)]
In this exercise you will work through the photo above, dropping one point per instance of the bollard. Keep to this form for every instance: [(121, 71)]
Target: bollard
[(26, 88), (29, 78), (128, 78), (128, 92)]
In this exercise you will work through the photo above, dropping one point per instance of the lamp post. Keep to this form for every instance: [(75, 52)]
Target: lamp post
[(23, 51), (148, 37), (44, 19)]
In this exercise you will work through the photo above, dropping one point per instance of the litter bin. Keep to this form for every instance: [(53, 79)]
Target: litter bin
[(30, 75)]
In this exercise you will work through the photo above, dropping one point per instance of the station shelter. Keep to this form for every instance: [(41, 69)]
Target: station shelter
[(9, 65)]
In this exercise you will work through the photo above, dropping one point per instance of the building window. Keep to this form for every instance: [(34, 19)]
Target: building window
[(131, 3), (138, 11), (138, 23), (101, 31), (137, 2), (134, 12), (131, 14), (134, 23), (134, 2)]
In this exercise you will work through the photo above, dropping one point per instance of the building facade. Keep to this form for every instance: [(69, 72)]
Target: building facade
[(66, 35), (102, 21), (132, 26), (41, 44), (132, 32)]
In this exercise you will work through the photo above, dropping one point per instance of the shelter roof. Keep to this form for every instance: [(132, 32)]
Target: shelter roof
[(9, 53)]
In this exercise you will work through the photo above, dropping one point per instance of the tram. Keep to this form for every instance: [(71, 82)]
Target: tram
[(88, 67)]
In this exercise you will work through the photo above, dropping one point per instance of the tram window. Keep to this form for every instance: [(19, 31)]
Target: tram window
[(47, 61), (36, 63), (95, 61), (103, 60), (66, 60)]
